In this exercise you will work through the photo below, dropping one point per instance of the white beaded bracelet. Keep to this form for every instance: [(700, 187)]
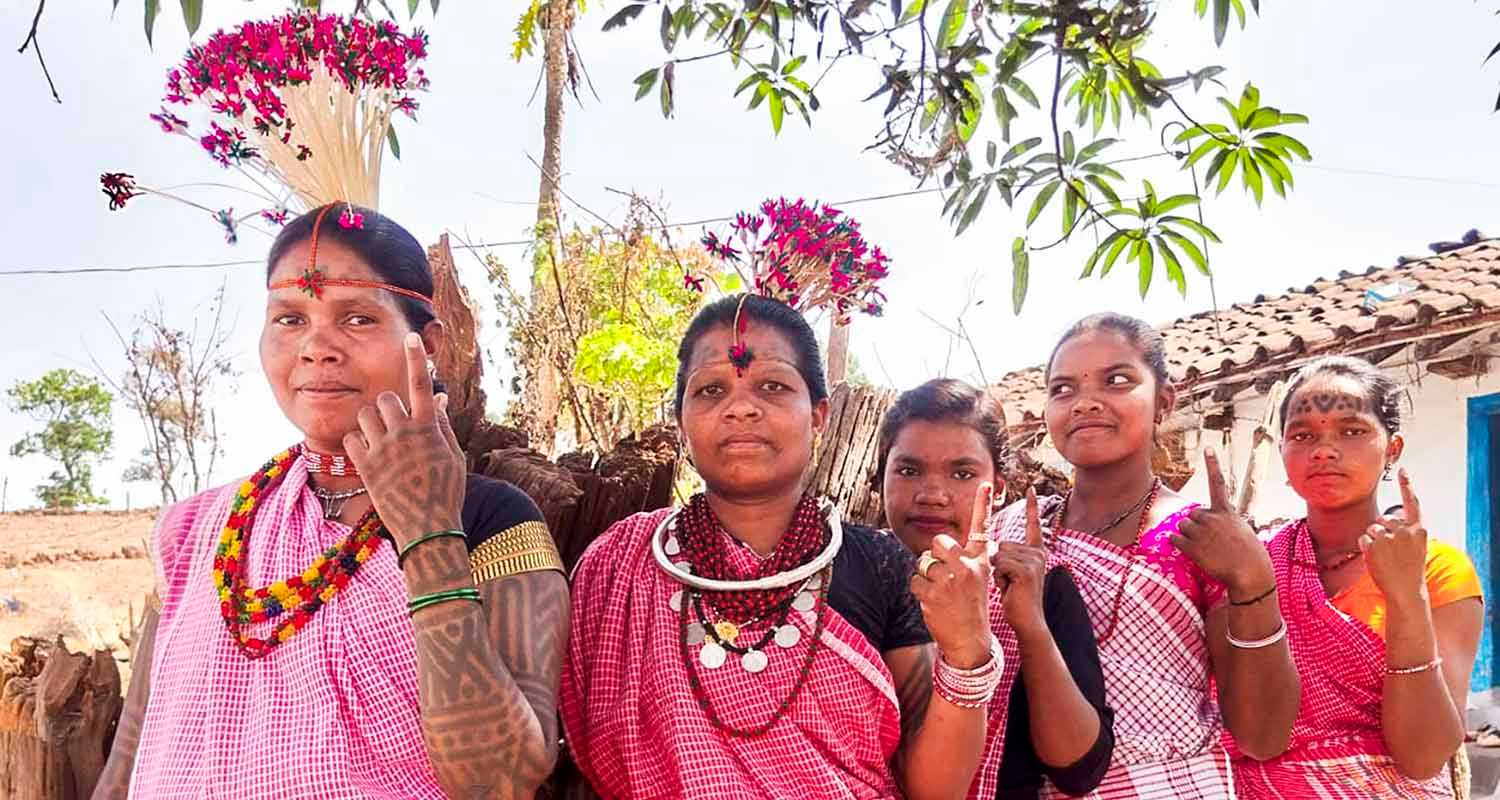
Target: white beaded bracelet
[(969, 688), (1257, 644)]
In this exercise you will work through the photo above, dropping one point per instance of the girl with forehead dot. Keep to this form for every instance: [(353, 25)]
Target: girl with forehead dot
[(1180, 596), (751, 644), (1384, 620), (360, 618)]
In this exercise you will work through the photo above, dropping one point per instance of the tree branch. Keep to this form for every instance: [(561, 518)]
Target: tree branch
[(32, 40)]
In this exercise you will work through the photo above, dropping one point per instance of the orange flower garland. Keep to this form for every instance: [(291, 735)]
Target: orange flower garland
[(297, 598)]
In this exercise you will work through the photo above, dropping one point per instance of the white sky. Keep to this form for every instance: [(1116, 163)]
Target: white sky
[(1394, 93)]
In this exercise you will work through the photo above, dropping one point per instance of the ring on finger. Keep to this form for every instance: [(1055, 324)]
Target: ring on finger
[(925, 562), (979, 536)]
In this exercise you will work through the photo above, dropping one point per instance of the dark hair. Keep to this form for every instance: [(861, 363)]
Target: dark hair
[(391, 252), (946, 400), (1147, 340), (765, 311), (1382, 392)]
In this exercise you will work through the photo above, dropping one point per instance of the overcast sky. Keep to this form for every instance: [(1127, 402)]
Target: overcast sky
[(1402, 137)]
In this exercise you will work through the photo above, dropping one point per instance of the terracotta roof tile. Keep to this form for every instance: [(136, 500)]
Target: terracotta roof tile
[(1326, 316)]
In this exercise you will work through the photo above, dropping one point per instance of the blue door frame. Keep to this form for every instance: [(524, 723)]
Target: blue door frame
[(1483, 534)]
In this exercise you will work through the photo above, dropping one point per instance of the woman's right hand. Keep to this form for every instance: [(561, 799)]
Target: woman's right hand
[(1395, 548), (1022, 568), (953, 590)]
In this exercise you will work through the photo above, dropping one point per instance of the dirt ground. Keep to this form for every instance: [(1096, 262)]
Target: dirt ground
[(75, 575)]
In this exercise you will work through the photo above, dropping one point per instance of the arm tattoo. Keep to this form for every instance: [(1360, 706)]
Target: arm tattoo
[(488, 675), (914, 695), (114, 782)]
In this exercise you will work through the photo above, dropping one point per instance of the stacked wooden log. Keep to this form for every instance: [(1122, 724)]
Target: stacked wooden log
[(57, 714)]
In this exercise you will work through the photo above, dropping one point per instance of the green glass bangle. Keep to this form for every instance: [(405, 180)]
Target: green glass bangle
[(424, 601), (426, 537)]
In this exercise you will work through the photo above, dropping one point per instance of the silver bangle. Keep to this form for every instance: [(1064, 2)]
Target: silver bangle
[(970, 688), (1257, 644)]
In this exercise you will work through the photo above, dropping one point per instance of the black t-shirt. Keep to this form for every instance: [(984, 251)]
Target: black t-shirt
[(492, 507), (872, 589), (1021, 771)]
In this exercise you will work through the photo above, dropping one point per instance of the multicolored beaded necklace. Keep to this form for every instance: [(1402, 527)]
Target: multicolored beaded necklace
[(293, 600)]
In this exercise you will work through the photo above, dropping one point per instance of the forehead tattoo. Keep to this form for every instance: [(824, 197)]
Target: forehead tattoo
[(1329, 403)]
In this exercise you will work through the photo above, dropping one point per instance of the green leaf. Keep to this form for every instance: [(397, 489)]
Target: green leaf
[(1114, 253), (153, 7), (1094, 149), (1024, 91), (1148, 265), (747, 83), (411, 8), (991, 152), (192, 15), (1282, 142), (1020, 148), (666, 91), (1005, 111), (952, 24), (1070, 211), (644, 82), (972, 212), (1174, 267), (1195, 226), (668, 41), (1175, 202), (1020, 273), (1209, 145), (623, 16), (434, 7), (913, 10), (791, 66), (1088, 267), (1067, 147), (778, 109), (390, 139), (762, 90), (1191, 248), (1227, 172), (1221, 25), (1104, 188), (1041, 201)]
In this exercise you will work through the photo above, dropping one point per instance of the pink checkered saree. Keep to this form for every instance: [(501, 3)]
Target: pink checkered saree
[(636, 731), (1337, 751), (1156, 661), (332, 713)]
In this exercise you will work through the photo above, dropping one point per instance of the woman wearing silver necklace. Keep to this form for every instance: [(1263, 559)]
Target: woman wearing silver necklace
[(751, 644)]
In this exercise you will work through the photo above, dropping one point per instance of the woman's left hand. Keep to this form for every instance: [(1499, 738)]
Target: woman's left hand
[(410, 462), (954, 592), (1220, 541)]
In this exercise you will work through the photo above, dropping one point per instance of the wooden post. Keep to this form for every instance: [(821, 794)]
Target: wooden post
[(1262, 449), (838, 351)]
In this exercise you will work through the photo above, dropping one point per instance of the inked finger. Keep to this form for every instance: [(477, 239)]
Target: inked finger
[(1033, 520), (445, 424), (357, 450), (945, 548), (419, 382), (1410, 507), (976, 541)]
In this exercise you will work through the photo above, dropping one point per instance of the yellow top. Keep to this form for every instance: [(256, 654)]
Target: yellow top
[(1450, 578)]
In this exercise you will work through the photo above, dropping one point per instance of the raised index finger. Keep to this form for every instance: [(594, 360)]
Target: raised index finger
[(1218, 490), (418, 381), (979, 517), (1409, 505), (1033, 520)]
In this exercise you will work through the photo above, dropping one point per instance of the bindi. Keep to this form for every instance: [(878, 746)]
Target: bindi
[(1329, 403)]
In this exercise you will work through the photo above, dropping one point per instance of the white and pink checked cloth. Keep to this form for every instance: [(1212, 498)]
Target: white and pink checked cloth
[(1337, 751), (636, 731), (332, 713)]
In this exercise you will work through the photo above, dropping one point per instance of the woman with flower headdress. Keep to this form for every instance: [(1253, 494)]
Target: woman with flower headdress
[(752, 645), (360, 618)]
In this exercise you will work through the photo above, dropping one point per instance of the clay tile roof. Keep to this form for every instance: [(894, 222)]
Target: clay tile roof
[(1454, 289)]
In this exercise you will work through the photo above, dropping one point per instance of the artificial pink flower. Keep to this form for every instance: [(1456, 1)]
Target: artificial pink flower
[(351, 220)]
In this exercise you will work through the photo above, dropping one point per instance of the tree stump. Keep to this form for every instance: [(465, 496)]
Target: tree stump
[(57, 712)]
